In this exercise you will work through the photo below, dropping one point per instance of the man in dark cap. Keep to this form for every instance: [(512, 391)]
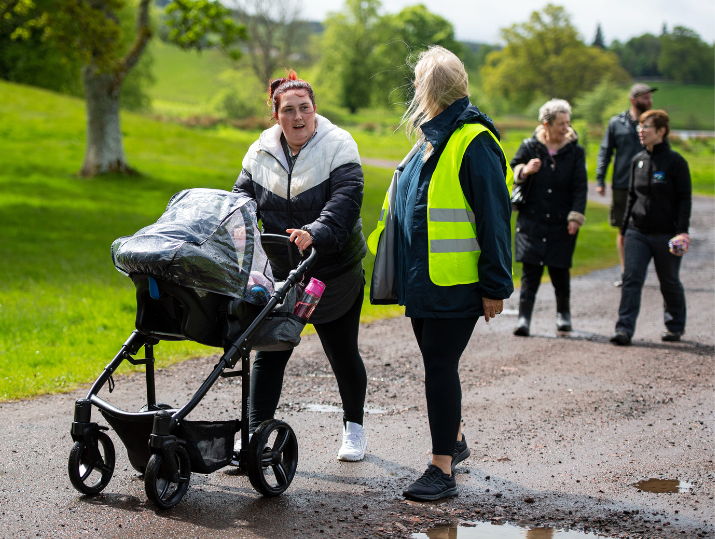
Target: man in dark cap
[(622, 136)]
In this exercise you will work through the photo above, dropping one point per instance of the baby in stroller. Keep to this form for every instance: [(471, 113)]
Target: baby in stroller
[(200, 274)]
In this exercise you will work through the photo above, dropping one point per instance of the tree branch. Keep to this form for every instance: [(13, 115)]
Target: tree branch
[(140, 41)]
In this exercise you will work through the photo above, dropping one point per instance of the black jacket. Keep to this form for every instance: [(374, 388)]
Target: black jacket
[(660, 194), (329, 209), (621, 136), (482, 178), (557, 189)]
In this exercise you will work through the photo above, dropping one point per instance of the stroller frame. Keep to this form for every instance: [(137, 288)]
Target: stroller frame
[(168, 470)]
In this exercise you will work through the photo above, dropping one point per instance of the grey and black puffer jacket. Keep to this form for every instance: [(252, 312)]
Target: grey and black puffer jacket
[(321, 193)]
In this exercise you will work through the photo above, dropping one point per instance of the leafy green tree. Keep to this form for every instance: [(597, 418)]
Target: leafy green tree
[(639, 55), (686, 58), (598, 105), (402, 37), (349, 60), (599, 41), (91, 31), (546, 56)]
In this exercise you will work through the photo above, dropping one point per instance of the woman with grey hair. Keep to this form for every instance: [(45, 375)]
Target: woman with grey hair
[(551, 167)]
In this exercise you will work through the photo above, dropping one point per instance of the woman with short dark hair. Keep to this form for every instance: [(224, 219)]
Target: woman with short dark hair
[(655, 227), (552, 166), (305, 175)]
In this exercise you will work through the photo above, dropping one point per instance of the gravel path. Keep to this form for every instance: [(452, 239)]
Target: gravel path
[(560, 429)]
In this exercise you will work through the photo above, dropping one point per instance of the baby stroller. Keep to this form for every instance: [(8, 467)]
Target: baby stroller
[(200, 274)]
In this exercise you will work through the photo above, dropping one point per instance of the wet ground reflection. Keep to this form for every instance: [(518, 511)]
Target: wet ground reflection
[(660, 486), (488, 530)]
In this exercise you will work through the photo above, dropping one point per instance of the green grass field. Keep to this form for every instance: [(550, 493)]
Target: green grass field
[(690, 106), (64, 309)]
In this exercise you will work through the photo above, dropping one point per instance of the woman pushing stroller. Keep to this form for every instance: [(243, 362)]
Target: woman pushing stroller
[(305, 175)]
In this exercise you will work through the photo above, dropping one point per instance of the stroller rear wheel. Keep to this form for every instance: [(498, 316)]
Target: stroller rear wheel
[(164, 491), (90, 475), (272, 457)]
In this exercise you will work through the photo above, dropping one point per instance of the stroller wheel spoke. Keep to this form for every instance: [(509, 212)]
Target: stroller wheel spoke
[(280, 473), (163, 486), (281, 440), (87, 473)]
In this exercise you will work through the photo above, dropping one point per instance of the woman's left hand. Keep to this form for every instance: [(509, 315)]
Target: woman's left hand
[(573, 227), (492, 307), (301, 238)]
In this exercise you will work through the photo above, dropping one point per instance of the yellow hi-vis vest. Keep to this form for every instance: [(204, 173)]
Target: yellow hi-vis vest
[(451, 228)]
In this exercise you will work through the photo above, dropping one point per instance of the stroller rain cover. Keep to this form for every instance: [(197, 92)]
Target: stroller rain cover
[(208, 240)]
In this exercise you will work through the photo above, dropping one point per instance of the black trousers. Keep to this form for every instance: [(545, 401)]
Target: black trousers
[(639, 250), (442, 342), (531, 279), (340, 343)]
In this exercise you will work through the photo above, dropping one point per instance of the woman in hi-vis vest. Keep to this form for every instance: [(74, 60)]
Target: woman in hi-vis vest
[(443, 245)]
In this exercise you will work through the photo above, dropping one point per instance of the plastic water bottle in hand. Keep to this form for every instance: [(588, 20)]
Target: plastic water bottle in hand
[(305, 306)]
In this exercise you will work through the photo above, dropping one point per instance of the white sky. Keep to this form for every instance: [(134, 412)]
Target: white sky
[(480, 20)]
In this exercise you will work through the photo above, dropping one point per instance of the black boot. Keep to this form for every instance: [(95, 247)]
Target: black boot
[(563, 314), (526, 307)]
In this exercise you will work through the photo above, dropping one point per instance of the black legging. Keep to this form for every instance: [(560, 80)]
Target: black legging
[(442, 342), (340, 343), (531, 279)]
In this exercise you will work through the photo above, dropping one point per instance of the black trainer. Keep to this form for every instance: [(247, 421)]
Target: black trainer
[(461, 452), (671, 336), (433, 485), (621, 338)]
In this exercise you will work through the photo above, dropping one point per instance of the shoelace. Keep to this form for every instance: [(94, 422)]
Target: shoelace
[(351, 440), (429, 476)]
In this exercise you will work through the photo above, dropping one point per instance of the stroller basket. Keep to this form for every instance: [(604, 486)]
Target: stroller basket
[(208, 443)]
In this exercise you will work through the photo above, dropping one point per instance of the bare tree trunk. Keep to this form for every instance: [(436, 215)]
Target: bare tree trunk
[(102, 87), (105, 148)]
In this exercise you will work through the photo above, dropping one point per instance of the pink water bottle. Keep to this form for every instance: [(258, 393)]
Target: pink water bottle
[(305, 306)]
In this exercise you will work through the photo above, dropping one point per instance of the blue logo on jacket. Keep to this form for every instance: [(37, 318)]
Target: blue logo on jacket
[(659, 177)]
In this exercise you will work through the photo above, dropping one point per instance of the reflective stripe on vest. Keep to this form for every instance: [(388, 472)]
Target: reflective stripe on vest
[(451, 228), (374, 239)]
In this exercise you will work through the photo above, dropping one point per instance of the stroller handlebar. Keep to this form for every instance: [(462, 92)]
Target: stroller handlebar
[(305, 265)]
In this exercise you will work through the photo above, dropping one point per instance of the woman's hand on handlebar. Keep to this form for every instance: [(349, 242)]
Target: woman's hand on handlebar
[(301, 238)]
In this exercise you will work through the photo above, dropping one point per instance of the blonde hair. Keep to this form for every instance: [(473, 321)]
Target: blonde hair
[(440, 80)]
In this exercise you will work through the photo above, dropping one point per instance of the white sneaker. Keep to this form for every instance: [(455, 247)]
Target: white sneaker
[(237, 445), (354, 443)]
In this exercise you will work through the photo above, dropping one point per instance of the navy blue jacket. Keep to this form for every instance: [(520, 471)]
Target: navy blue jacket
[(482, 177)]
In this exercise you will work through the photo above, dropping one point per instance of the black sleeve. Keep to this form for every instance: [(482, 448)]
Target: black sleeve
[(482, 176), (244, 184), (523, 155), (579, 182), (631, 199), (684, 195), (605, 152), (332, 228)]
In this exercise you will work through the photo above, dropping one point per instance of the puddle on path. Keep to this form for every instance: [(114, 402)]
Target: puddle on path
[(489, 530), (331, 408), (660, 486)]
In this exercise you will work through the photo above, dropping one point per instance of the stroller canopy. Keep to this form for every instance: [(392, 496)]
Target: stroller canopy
[(207, 239)]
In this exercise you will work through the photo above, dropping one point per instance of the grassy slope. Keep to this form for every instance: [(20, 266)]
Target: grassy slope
[(64, 310), (690, 106)]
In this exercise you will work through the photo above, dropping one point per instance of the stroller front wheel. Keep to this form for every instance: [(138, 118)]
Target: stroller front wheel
[(272, 457), (90, 474), (164, 491)]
